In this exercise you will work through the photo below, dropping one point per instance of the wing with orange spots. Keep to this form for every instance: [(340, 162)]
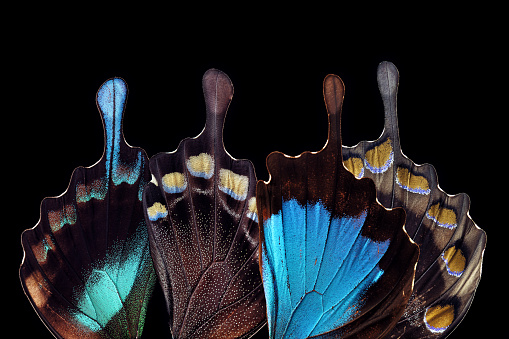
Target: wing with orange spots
[(87, 268), (203, 227), (334, 262), (451, 245)]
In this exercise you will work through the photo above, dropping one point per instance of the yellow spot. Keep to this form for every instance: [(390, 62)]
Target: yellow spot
[(411, 182), (455, 261), (252, 205), (379, 159), (201, 165), (252, 211), (444, 217), (355, 166), (235, 185), (438, 318), (156, 211), (174, 182)]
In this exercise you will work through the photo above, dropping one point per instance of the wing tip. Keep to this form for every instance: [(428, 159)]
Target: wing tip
[(217, 82), (333, 93)]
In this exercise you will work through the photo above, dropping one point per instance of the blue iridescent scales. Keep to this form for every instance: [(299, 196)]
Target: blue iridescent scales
[(87, 268), (329, 276), (334, 262), (451, 245)]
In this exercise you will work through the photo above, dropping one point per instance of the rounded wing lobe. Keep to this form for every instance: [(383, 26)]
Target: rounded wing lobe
[(203, 226), (334, 262)]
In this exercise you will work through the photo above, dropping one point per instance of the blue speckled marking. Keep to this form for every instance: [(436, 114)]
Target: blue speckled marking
[(110, 281), (122, 172), (451, 272), (206, 175), (95, 190), (434, 329), (111, 98), (158, 215), (174, 189), (317, 267), (59, 218), (143, 182), (41, 252), (379, 170), (430, 327), (441, 224), (361, 174), (413, 190), (252, 215), (232, 193)]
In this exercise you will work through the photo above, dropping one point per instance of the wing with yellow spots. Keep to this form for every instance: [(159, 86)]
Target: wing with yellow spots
[(87, 268), (451, 245), (203, 227)]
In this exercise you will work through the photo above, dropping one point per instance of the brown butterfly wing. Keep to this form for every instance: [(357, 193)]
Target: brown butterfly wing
[(451, 245), (202, 221)]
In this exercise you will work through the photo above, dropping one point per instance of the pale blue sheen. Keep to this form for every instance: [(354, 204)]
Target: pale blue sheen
[(174, 189), (206, 175), (382, 169), (158, 215), (232, 193), (111, 98), (316, 269), (111, 281)]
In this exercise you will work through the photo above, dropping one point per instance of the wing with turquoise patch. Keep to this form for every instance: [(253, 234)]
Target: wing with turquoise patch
[(334, 262), (203, 227), (451, 245), (87, 268)]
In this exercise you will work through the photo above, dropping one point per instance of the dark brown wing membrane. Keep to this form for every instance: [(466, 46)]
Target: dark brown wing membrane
[(451, 245), (203, 226)]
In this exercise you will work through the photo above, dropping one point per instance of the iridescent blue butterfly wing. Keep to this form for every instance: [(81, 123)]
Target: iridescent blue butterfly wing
[(334, 262), (451, 245), (203, 227), (87, 268)]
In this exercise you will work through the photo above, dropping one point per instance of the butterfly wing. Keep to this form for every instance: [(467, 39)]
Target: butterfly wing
[(451, 245), (87, 268), (203, 227), (334, 262)]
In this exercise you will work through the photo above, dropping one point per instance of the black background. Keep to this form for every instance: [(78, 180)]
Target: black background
[(451, 110)]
